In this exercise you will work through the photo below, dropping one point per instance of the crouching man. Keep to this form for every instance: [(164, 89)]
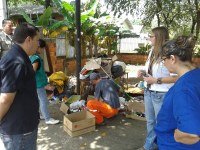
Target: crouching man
[(106, 103)]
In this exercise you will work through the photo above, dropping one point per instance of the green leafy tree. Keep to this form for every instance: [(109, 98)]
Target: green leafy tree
[(120, 7), (180, 16), (95, 30), (93, 27), (21, 2)]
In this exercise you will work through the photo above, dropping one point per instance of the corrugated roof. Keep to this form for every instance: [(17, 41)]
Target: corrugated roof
[(33, 9)]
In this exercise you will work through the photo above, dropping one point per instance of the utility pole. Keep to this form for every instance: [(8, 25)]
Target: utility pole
[(78, 44), (3, 11)]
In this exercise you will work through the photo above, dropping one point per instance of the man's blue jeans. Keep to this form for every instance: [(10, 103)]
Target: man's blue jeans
[(26, 141), (42, 95), (153, 101)]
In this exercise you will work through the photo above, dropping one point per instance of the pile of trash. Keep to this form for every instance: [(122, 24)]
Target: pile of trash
[(107, 67), (60, 87)]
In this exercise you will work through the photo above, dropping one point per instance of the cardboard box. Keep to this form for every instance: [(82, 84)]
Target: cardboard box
[(135, 116), (79, 132), (64, 107), (79, 123), (79, 120), (133, 107)]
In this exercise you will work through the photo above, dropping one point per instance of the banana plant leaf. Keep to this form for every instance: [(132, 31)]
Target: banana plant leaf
[(44, 18), (26, 17)]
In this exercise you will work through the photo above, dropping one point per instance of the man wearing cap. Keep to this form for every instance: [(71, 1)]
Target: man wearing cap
[(106, 103)]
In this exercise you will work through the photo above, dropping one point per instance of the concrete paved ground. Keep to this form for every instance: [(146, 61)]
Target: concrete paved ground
[(120, 133)]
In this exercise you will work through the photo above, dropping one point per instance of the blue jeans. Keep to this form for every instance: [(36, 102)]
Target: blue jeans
[(42, 96), (153, 101), (26, 141)]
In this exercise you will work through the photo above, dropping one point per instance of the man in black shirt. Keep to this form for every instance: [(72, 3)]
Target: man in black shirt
[(19, 108)]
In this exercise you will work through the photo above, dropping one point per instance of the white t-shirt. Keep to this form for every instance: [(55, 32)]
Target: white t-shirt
[(158, 71)]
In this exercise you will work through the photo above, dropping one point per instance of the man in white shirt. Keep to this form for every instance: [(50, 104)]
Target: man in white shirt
[(6, 37)]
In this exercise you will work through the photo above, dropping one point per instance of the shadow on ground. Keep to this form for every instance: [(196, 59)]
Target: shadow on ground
[(120, 133)]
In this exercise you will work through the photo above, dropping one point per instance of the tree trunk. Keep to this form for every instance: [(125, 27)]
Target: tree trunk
[(83, 49), (198, 23), (91, 44), (193, 25), (47, 3), (158, 18), (96, 47)]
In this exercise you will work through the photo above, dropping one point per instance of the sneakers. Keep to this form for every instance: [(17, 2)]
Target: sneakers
[(52, 121)]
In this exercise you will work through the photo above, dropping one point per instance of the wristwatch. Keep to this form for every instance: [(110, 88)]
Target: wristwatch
[(159, 81)]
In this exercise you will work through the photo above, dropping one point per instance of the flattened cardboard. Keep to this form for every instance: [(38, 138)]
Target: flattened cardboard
[(136, 106), (73, 98), (93, 64), (64, 107), (134, 116), (114, 58)]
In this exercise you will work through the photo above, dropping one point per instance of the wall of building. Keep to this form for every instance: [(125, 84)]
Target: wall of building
[(69, 65)]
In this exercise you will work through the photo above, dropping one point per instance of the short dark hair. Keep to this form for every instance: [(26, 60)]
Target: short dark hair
[(5, 21), (42, 43), (24, 30), (94, 76)]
